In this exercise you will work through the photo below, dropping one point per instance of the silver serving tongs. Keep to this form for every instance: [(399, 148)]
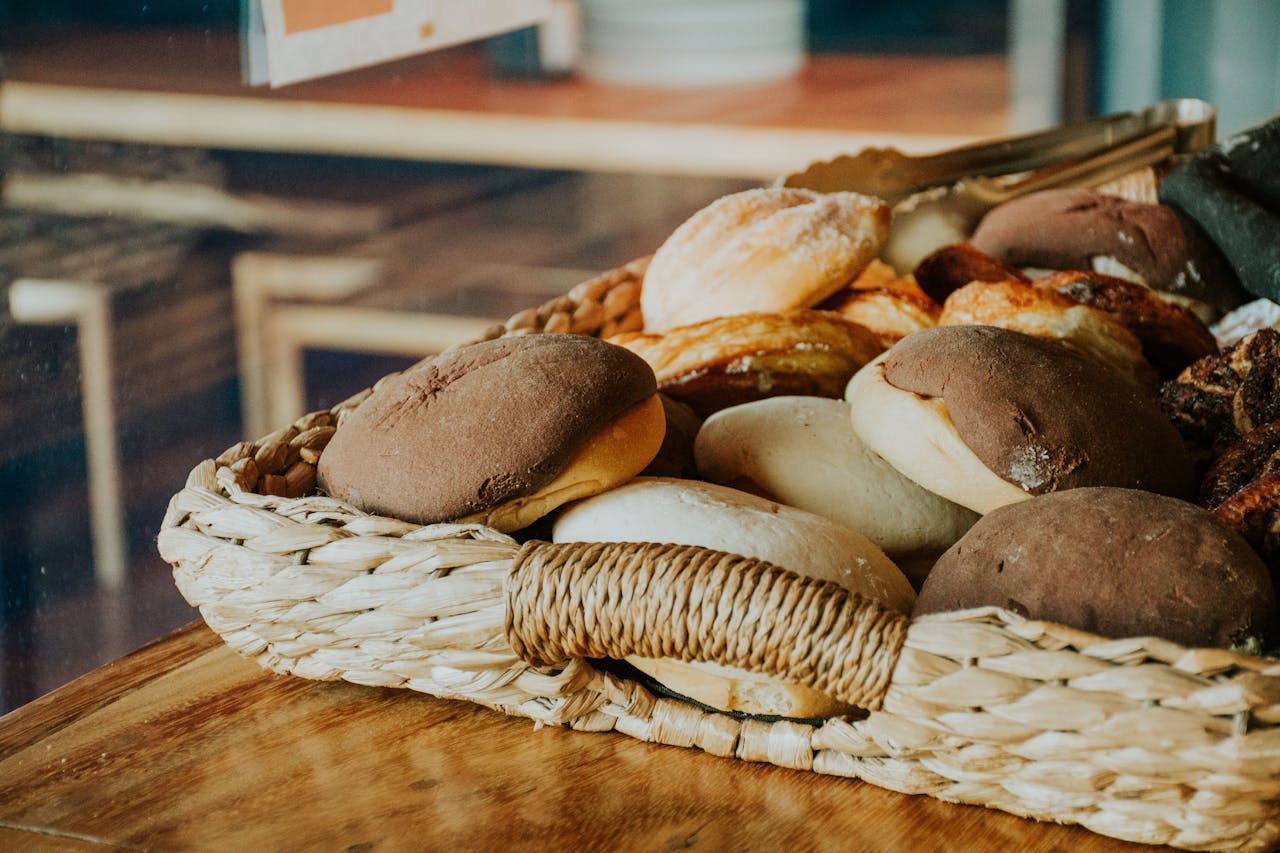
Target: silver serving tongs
[(939, 198)]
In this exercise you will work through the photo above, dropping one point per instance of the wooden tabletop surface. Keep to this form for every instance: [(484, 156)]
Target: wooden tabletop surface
[(184, 745), (184, 88)]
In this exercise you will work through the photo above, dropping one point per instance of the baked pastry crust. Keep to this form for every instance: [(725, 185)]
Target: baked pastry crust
[(721, 362), (952, 267), (1172, 335), (889, 313), (1220, 398), (1044, 313)]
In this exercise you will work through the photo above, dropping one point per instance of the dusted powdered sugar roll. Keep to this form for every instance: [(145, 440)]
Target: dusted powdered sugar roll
[(761, 250)]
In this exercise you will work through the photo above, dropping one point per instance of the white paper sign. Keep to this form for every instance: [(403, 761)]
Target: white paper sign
[(288, 41)]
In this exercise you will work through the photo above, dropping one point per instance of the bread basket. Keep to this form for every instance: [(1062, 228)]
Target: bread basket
[(1139, 739)]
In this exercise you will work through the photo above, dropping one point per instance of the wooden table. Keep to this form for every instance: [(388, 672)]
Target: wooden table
[(184, 745), (184, 88)]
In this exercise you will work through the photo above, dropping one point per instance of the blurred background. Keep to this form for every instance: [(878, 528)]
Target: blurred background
[(187, 260)]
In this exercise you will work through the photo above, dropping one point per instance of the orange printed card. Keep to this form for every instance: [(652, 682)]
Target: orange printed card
[(302, 15), (288, 41)]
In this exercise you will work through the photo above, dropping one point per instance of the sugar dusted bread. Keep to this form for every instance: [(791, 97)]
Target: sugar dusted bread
[(769, 249)]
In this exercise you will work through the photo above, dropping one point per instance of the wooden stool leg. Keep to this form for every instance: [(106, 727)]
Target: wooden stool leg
[(88, 307), (259, 278), (101, 440)]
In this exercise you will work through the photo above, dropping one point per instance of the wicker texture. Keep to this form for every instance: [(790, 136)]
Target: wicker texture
[(614, 600), (1138, 739)]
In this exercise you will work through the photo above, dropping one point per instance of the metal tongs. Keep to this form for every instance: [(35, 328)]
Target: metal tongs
[(939, 198)]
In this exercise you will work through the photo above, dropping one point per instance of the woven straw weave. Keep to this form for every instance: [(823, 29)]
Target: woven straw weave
[(1138, 739)]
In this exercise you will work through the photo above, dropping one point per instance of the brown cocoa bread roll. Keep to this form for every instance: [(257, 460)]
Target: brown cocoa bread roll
[(499, 432), (1082, 229), (730, 360), (1114, 562), (761, 250), (986, 416)]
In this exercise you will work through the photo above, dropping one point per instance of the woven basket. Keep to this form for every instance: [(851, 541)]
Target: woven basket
[(1139, 739)]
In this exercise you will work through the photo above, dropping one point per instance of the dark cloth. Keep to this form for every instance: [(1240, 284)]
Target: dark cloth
[(1233, 191)]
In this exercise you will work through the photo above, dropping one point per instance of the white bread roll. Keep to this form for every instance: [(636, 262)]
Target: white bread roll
[(762, 250), (803, 451), (689, 512)]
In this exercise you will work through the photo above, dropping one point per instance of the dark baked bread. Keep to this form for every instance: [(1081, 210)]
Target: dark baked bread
[(1041, 416), (675, 457), (1242, 488), (481, 425), (952, 267), (1172, 336), (1220, 398), (1066, 229), (1115, 562)]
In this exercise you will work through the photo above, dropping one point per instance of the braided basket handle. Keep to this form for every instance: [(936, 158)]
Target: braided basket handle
[(614, 600)]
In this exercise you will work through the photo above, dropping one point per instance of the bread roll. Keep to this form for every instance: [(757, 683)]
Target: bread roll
[(687, 512), (730, 360), (985, 417), (1115, 562), (499, 432), (802, 451), (916, 435), (769, 249), (1082, 229), (675, 457)]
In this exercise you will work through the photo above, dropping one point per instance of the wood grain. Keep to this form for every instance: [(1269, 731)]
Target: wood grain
[(962, 95), (184, 745)]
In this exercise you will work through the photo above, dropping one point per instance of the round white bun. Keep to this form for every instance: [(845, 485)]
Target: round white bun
[(916, 436), (689, 512), (803, 451)]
